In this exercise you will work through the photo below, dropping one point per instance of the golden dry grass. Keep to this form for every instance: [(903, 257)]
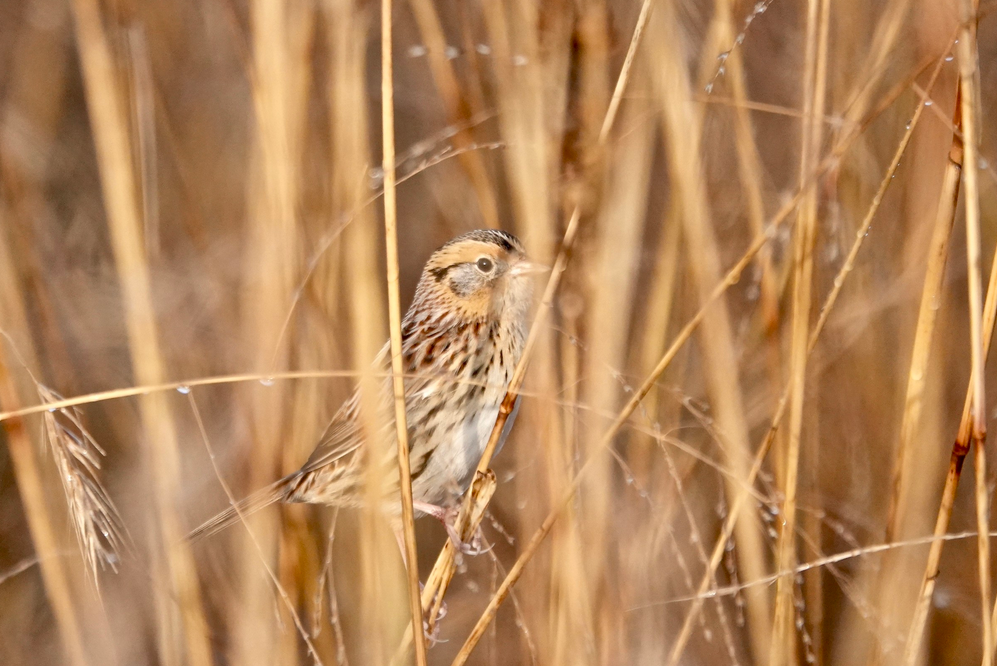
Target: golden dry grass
[(754, 415)]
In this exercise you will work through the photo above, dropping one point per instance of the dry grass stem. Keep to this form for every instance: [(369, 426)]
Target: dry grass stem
[(110, 123), (969, 83), (481, 491), (784, 646), (837, 558), (825, 312), (967, 431), (931, 295), (395, 327)]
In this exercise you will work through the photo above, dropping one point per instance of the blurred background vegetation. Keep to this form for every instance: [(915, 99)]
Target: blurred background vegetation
[(190, 190)]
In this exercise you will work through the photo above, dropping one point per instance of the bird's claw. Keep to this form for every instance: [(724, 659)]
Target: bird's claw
[(473, 547), (430, 624), (432, 632)]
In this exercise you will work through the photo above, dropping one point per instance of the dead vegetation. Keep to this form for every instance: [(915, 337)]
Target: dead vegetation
[(754, 417)]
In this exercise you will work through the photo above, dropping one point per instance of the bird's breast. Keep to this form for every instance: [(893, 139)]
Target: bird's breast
[(451, 419)]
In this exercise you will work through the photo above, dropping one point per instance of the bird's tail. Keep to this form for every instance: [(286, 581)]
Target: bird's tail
[(262, 498)]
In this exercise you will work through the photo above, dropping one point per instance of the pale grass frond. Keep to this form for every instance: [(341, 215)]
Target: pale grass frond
[(96, 521)]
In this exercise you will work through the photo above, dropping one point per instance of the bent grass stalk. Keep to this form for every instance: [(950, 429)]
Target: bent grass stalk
[(465, 524), (969, 56), (860, 235), (818, 563), (560, 265), (972, 427)]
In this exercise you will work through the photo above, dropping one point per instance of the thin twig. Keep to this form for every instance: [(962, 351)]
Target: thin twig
[(844, 556), (284, 596), (561, 262)]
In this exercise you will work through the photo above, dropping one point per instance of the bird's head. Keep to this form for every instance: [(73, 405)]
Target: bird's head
[(480, 275)]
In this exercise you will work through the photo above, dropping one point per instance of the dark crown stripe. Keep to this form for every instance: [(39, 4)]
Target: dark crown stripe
[(502, 239)]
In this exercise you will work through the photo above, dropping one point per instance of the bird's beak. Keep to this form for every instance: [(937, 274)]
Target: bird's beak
[(528, 268)]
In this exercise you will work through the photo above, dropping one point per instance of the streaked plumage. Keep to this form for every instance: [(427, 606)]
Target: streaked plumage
[(461, 339)]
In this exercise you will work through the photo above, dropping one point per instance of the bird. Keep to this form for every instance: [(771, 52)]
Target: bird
[(462, 337)]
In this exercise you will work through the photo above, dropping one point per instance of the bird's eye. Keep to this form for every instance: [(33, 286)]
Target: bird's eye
[(484, 264)]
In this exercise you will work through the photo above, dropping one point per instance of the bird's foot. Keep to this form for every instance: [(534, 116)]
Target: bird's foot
[(473, 547), (430, 624), (448, 518)]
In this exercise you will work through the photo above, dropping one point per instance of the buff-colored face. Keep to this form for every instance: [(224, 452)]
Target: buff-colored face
[(482, 274)]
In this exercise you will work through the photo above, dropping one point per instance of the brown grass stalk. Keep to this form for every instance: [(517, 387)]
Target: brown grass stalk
[(182, 385), (931, 294), (612, 285), (969, 85), (783, 648), (350, 135), (660, 315), (683, 125), (972, 427), (813, 588), (560, 264), (278, 77), (583, 545), (395, 327), (481, 491), (923, 335), (818, 563), (959, 451), (861, 234), (110, 126)]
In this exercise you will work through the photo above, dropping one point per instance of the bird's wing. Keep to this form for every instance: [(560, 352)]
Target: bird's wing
[(341, 437)]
